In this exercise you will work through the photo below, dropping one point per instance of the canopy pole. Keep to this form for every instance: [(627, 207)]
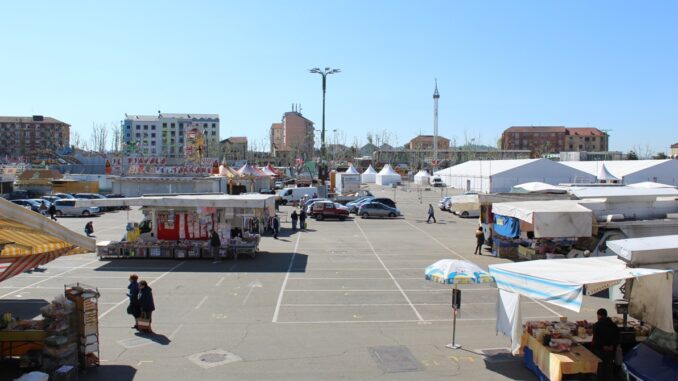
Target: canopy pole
[(454, 344)]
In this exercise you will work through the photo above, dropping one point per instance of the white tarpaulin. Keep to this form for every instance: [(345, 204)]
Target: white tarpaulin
[(561, 282), (465, 202), (422, 177), (369, 176), (537, 187), (351, 169), (550, 219)]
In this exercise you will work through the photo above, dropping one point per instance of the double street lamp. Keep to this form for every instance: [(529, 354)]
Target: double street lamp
[(324, 73)]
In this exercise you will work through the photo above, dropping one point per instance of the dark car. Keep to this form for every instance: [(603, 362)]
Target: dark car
[(117, 195), (328, 209), (28, 204), (385, 201), (21, 195)]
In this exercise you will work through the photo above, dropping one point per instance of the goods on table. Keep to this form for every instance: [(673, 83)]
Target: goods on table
[(86, 300), (60, 345)]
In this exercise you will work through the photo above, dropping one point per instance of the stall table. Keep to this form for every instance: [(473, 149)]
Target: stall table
[(16, 343), (554, 364)]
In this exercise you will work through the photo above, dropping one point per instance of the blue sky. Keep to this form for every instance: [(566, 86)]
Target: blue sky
[(607, 64)]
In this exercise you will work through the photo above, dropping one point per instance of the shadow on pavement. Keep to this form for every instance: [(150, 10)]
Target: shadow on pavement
[(155, 337), (23, 308), (109, 372), (263, 262), (509, 367)]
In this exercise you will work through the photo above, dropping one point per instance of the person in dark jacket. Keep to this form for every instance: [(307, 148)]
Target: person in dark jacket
[(89, 229), (431, 215), (480, 240), (52, 212), (133, 294), (302, 220), (276, 227), (605, 340), (146, 305), (215, 245), (295, 218)]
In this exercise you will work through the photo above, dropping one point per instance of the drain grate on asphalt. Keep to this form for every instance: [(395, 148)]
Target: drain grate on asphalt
[(394, 359), (213, 358)]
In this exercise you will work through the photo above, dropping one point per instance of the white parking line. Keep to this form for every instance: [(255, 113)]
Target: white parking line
[(201, 302), (436, 240), (220, 281), (287, 276), (46, 279), (150, 283), (387, 270)]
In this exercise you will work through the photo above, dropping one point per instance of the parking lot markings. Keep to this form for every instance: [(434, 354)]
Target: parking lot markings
[(287, 276), (388, 271)]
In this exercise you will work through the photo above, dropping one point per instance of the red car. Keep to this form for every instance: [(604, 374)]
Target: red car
[(328, 209)]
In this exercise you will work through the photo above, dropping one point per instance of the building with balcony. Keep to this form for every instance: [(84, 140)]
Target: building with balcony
[(542, 140), (31, 135), (167, 135), (293, 136)]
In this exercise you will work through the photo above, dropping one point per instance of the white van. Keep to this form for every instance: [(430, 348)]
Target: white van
[(436, 181), (290, 195)]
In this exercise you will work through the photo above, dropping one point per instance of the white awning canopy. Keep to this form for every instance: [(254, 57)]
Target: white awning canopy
[(561, 282), (465, 202), (550, 219), (646, 251), (256, 201)]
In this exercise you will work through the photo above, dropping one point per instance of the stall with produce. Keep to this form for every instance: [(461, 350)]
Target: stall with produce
[(563, 283), (179, 226)]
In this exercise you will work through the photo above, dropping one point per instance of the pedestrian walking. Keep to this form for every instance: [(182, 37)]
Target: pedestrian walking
[(480, 240), (43, 208), (302, 220), (146, 307), (133, 295), (431, 215), (215, 245), (295, 218), (89, 229), (276, 227), (52, 212), (605, 340)]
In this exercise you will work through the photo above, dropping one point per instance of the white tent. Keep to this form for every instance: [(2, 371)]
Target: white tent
[(369, 176), (249, 200), (632, 171), (552, 219), (351, 170), (561, 282), (659, 252), (537, 187), (604, 176), (388, 176), (422, 177), (493, 176)]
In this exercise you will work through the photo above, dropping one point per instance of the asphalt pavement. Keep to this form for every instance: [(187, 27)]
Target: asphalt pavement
[(343, 300)]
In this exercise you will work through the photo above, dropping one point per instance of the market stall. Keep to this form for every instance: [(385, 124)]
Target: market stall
[(179, 226), (369, 176), (563, 283), (422, 177), (539, 229)]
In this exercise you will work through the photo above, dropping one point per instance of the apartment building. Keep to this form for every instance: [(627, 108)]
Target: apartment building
[(424, 142), (167, 134), (234, 148), (297, 136), (28, 135), (554, 139)]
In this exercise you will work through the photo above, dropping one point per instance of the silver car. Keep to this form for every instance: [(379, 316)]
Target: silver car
[(66, 207), (377, 209)]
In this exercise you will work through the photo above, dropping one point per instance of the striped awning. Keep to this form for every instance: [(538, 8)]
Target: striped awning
[(22, 240)]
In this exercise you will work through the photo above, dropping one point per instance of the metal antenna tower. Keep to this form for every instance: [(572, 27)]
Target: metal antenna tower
[(436, 96)]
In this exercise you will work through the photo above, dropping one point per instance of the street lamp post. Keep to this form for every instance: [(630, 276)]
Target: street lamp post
[(324, 73)]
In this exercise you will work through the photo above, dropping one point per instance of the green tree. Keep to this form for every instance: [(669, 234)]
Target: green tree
[(632, 155)]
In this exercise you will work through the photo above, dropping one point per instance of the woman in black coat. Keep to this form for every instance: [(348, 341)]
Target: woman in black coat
[(146, 305), (133, 294)]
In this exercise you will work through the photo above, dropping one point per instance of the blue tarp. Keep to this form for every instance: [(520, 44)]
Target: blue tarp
[(506, 226)]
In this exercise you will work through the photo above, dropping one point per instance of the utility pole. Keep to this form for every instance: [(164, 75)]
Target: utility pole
[(436, 96)]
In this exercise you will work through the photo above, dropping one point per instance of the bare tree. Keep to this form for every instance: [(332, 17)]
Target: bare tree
[(370, 137), (116, 137), (76, 140), (99, 137), (643, 153)]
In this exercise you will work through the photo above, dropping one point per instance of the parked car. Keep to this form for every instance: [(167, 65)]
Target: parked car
[(95, 196), (385, 201), (436, 181), (308, 203), (51, 198), (468, 213), (68, 208), (117, 195), (377, 209), (290, 195), (279, 184), (21, 195), (444, 203), (266, 191), (328, 209), (353, 205), (40, 201), (28, 204), (65, 196)]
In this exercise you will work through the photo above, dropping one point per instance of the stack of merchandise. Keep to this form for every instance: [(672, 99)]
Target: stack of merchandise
[(61, 346), (86, 301)]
